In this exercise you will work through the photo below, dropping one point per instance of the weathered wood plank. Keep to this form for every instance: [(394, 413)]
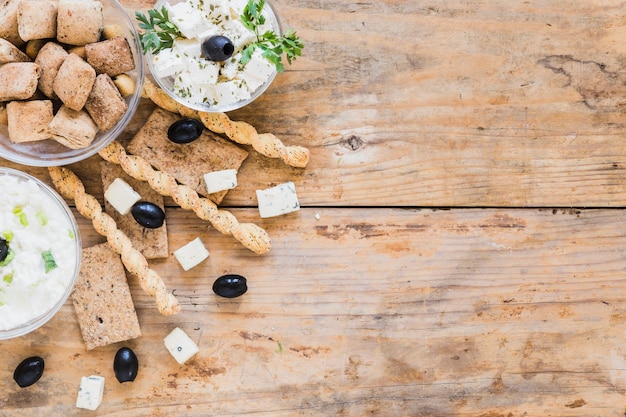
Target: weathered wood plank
[(453, 313)]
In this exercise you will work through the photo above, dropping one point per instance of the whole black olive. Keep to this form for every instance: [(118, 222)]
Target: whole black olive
[(28, 371), (148, 214), (185, 131), (217, 48), (230, 286), (125, 365), (4, 249)]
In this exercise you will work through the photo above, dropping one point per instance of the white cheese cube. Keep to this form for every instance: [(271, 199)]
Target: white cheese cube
[(203, 71), (187, 48), (189, 20), (278, 200), (121, 196), (180, 345), (233, 91), (231, 67), (191, 254), (90, 392), (239, 35), (257, 71), (167, 62), (217, 181), (217, 9)]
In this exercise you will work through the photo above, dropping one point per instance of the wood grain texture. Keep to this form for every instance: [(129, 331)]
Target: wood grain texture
[(436, 268), (455, 313)]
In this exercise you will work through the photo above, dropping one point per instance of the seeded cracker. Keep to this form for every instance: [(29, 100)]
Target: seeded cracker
[(102, 300), (186, 162), (152, 243)]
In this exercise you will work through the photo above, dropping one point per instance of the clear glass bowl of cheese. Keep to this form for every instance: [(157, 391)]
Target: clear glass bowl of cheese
[(186, 75), (50, 152), (40, 252)]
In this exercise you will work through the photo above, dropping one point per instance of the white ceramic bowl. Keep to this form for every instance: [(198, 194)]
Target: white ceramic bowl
[(51, 153), (167, 83), (19, 310)]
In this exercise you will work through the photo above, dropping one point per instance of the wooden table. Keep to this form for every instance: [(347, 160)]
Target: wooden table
[(460, 247)]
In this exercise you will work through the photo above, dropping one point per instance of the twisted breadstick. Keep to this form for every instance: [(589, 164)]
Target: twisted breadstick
[(241, 132), (70, 186), (250, 235)]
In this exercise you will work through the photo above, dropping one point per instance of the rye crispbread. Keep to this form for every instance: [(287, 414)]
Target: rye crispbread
[(152, 243), (102, 300), (186, 162)]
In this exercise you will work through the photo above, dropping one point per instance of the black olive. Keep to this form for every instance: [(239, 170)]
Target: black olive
[(217, 48), (230, 286), (125, 365), (28, 371), (4, 249), (185, 131), (148, 214)]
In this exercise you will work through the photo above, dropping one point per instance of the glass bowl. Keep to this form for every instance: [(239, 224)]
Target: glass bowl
[(167, 83), (51, 153), (35, 219)]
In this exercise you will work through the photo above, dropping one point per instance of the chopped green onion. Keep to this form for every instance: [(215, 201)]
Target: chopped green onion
[(19, 213), (8, 278), (48, 259), (71, 234), (9, 258), (42, 218), (8, 236)]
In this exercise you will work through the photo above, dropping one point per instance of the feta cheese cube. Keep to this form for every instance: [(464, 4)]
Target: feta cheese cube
[(217, 181), (189, 20), (231, 67), (180, 345), (90, 392), (121, 196), (278, 200), (167, 62), (232, 91), (256, 71), (191, 254), (239, 35)]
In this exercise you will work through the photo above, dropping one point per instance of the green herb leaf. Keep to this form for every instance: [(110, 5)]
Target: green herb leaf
[(48, 259), (8, 278), (158, 32), (272, 45)]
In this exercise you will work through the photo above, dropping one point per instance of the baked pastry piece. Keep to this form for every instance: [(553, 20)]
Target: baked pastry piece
[(37, 19), (74, 82), (102, 300), (18, 80), (105, 104), (28, 120), (10, 53), (79, 22), (8, 22), (112, 56), (74, 129), (50, 58)]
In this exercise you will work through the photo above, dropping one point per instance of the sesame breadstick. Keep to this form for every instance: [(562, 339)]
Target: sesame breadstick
[(241, 132), (250, 235), (70, 186)]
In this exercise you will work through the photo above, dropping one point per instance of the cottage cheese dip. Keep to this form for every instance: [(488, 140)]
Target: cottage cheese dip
[(39, 252)]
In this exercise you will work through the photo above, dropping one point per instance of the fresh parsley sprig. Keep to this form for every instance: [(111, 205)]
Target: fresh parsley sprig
[(159, 33), (273, 47)]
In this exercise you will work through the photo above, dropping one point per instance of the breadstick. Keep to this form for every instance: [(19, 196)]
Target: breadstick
[(70, 186), (250, 235), (241, 132)]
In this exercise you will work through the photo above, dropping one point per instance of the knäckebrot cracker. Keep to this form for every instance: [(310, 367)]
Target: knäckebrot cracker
[(102, 299)]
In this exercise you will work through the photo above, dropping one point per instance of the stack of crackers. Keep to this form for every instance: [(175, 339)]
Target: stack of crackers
[(102, 299)]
